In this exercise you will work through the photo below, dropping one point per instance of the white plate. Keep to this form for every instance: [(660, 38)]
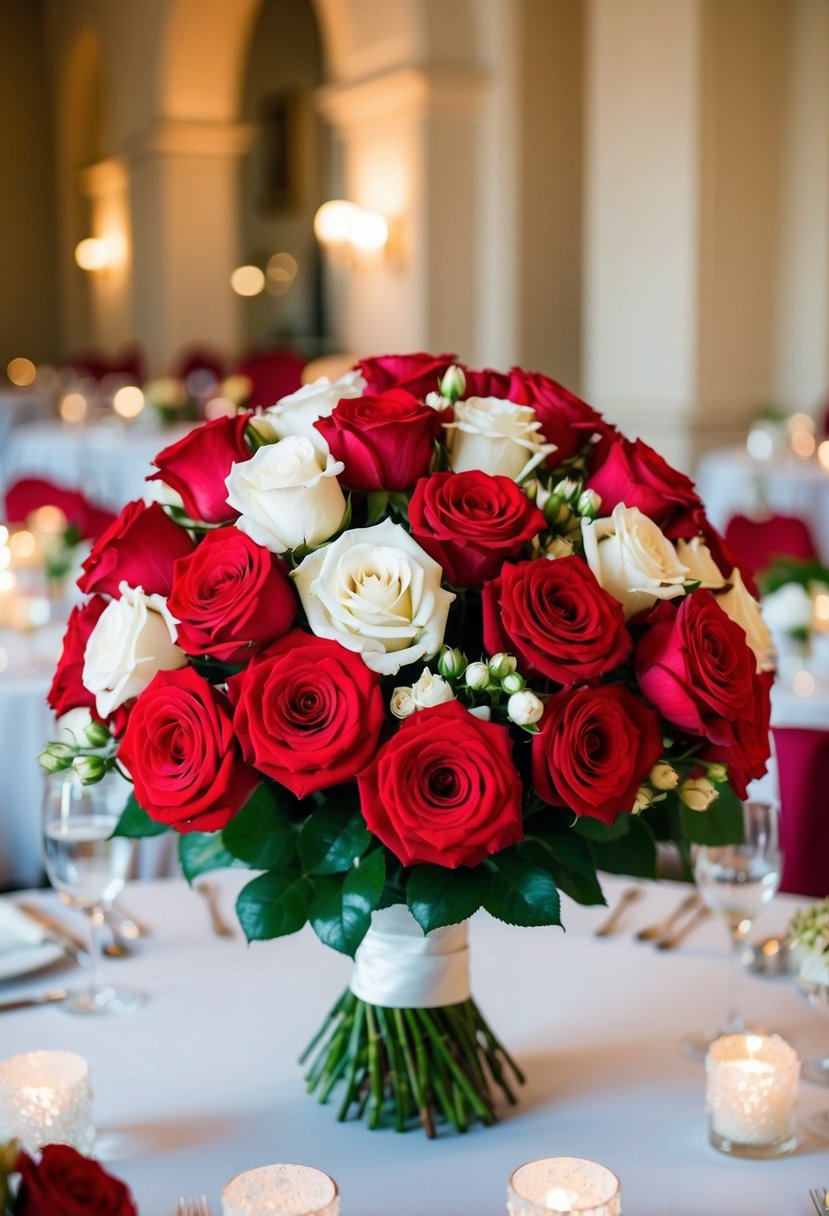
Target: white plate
[(28, 958)]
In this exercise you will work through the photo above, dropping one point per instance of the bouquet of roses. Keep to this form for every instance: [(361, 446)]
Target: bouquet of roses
[(59, 1181), (415, 642)]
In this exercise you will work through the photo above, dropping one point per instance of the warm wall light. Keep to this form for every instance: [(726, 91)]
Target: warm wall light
[(349, 231), (94, 253)]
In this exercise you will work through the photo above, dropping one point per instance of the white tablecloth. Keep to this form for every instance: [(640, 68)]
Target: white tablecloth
[(203, 1082), (731, 483), (108, 462)]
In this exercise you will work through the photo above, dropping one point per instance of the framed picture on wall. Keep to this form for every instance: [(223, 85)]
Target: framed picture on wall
[(280, 152)]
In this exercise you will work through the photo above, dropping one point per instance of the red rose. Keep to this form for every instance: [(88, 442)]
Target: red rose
[(139, 548), (746, 759), (230, 597), (308, 712), (471, 522), (385, 442), (64, 1183), (198, 464), (565, 419), (67, 690), (556, 619), (444, 789), (595, 748), (419, 373), (636, 475), (695, 665), (181, 752), (30, 493)]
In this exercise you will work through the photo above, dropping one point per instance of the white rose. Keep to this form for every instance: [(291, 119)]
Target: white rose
[(496, 436), (524, 708), (133, 639), (71, 727), (285, 495), (402, 703), (632, 559), (375, 591), (788, 609), (702, 569), (744, 610), (431, 690), (297, 413)]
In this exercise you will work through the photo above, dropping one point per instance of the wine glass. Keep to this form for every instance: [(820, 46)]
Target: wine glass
[(88, 868), (736, 881), (817, 992)]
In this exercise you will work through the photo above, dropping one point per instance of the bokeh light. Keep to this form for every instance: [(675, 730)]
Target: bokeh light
[(128, 402), (21, 372), (823, 454), (247, 280), (803, 683), (72, 407), (7, 580), (280, 273), (92, 253), (22, 545)]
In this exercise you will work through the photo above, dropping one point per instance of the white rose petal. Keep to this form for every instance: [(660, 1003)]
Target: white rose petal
[(286, 496), (431, 690), (158, 491), (133, 639), (702, 569), (632, 559), (744, 610), (70, 727), (375, 591), (788, 609), (297, 413), (497, 437)]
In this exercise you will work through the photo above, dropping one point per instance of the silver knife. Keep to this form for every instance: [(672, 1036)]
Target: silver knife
[(26, 1002), (57, 932)]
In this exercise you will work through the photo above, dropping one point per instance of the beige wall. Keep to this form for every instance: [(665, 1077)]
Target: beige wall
[(28, 313)]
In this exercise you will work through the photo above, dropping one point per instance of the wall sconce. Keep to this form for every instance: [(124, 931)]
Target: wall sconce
[(350, 233), (99, 253)]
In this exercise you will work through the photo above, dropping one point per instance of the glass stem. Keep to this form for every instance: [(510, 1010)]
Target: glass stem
[(96, 952), (738, 934)]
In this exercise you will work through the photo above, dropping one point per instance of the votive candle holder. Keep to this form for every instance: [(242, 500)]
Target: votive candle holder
[(286, 1190), (751, 1095), (552, 1186), (46, 1098)]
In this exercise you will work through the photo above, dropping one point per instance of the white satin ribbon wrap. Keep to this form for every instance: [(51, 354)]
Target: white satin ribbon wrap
[(400, 967)]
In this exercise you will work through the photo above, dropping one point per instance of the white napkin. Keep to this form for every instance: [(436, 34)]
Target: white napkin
[(16, 929)]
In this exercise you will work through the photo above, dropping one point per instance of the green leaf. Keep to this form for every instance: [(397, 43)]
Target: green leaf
[(199, 852), (437, 896), (274, 904), (634, 853), (332, 839), (260, 834), (521, 891), (596, 829), (569, 861), (722, 823), (376, 503), (342, 907), (135, 822)]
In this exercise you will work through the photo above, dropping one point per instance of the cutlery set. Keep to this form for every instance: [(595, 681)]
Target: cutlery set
[(665, 934)]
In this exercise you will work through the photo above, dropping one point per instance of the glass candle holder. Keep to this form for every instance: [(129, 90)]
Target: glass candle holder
[(46, 1098), (290, 1190), (556, 1185), (751, 1095)]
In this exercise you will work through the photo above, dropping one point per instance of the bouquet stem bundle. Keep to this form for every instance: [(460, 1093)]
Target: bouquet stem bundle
[(396, 1065)]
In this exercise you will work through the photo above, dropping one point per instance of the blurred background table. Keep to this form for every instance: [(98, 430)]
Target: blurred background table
[(203, 1082)]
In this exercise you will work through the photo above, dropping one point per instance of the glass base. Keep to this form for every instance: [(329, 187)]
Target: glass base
[(819, 1125), (105, 1002), (756, 1152), (816, 1071)]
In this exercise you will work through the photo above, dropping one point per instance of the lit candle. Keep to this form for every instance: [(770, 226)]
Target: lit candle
[(45, 1098), (751, 1095), (556, 1185), (289, 1190)]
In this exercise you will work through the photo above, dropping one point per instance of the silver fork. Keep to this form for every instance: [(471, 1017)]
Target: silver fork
[(819, 1198), (193, 1206)]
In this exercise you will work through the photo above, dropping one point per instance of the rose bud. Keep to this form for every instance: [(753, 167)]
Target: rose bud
[(664, 776), (717, 772), (97, 735), (431, 690), (402, 702), (477, 676), (644, 798), (452, 662), (90, 769), (501, 665), (567, 490), (453, 383), (524, 708), (56, 757), (588, 504), (697, 793), (513, 682)]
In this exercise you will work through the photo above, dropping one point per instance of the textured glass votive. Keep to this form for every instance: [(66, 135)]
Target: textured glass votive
[(290, 1190), (45, 1098), (555, 1185), (751, 1095)]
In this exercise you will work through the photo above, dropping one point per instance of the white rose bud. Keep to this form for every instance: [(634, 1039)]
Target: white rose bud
[(664, 777), (452, 662), (559, 546), (72, 726), (513, 682), (56, 757), (697, 793), (524, 708), (402, 703), (453, 384), (477, 675), (567, 489), (431, 690), (588, 504), (90, 769), (644, 799), (502, 665), (717, 772)]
